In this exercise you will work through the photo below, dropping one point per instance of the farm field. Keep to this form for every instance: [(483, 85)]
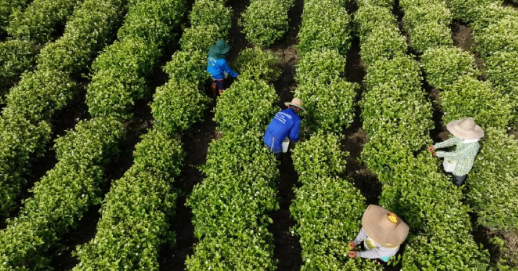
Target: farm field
[(114, 155)]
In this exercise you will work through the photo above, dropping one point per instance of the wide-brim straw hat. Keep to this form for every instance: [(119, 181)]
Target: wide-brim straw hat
[(384, 227), (465, 129), (220, 48), (295, 102)]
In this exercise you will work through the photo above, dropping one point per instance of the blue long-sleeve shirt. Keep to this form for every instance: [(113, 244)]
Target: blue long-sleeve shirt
[(216, 67), (285, 123)]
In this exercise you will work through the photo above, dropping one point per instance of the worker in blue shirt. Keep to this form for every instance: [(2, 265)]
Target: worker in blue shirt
[(286, 123), (217, 66)]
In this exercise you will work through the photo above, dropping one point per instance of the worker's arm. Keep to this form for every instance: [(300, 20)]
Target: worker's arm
[(294, 132), (377, 253), (360, 237), (227, 69), (457, 155), (448, 143)]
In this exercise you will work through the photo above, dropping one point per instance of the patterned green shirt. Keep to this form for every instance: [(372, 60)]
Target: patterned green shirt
[(464, 153)]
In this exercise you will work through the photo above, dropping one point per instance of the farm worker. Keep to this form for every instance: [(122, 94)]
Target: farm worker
[(381, 235), (466, 136), (218, 66), (286, 123)]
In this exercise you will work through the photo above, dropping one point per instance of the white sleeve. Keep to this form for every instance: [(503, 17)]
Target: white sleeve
[(378, 252), (361, 236)]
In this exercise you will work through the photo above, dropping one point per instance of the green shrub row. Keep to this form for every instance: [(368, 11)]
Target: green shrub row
[(231, 206), (7, 7), (325, 25), (129, 236), (266, 21), (427, 23), (120, 71), (440, 236), (16, 56), (62, 196), (41, 93), (327, 208), (40, 19)]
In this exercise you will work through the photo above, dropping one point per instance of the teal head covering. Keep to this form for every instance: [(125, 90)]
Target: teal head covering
[(219, 49)]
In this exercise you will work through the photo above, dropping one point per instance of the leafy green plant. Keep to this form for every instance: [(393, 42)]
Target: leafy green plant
[(324, 66), (501, 69), (15, 57), (256, 64), (488, 14), (468, 97), (416, 15), (444, 65), (380, 3), (207, 12), (370, 17), (62, 196), (469, 10), (430, 35), (499, 36), (187, 66), (201, 37), (7, 7), (325, 25), (39, 20), (383, 42), (265, 21)]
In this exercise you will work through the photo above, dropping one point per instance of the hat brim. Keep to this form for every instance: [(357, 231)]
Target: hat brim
[(454, 128), (389, 238), (288, 104)]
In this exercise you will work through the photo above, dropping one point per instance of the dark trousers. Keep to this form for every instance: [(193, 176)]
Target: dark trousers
[(458, 180)]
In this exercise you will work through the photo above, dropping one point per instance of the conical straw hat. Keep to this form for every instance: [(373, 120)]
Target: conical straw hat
[(384, 226), (295, 102), (465, 129)]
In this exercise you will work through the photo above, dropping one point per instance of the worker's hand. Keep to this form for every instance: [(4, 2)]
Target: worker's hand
[(352, 254), (352, 245), (430, 149), (238, 76), (434, 154)]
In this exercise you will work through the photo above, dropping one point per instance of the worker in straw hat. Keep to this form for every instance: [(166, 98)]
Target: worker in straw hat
[(382, 233), (460, 161), (286, 123), (218, 66)]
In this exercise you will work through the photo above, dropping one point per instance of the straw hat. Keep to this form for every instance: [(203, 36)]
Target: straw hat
[(295, 102), (465, 129), (384, 226)]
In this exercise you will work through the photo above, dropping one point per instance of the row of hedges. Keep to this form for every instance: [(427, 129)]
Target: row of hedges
[(119, 73), (32, 103), (129, 236), (16, 56), (40, 19), (397, 118), (232, 204), (266, 21), (327, 209), (50, 227), (62, 196), (7, 7)]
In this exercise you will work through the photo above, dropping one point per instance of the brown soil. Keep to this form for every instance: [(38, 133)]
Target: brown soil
[(463, 38)]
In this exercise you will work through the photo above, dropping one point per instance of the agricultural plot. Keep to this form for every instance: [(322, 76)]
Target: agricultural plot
[(151, 173)]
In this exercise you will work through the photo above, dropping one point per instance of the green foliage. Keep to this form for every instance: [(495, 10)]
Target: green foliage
[(324, 66), (383, 42), (491, 13), (201, 37), (256, 99), (62, 196), (319, 157), (499, 36), (136, 210), (444, 65), (468, 97), (493, 182), (416, 15), (402, 73), (257, 64), (470, 10), (16, 56), (39, 95), (329, 106), (84, 36), (208, 12), (187, 66), (380, 3), (21, 140), (265, 21), (501, 69), (325, 25), (7, 7), (370, 17), (430, 35), (40, 19), (178, 105)]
